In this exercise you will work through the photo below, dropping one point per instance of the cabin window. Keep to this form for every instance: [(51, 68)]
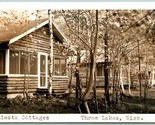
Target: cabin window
[(124, 72), (14, 62), (63, 67), (100, 70), (60, 67), (23, 63), (33, 69), (2, 62), (23, 59)]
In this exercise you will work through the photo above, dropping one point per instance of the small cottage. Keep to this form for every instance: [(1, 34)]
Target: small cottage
[(24, 61)]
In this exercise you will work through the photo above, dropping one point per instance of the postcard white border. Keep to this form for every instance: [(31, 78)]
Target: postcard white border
[(78, 118), (77, 5), (84, 118)]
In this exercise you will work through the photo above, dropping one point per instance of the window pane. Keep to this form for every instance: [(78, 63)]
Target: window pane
[(42, 80), (23, 62), (42, 63), (100, 71), (63, 67), (14, 62), (57, 67), (2, 62), (33, 64), (19, 61), (42, 70), (60, 67)]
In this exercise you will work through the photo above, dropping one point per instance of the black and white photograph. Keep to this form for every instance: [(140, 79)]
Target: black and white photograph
[(77, 61)]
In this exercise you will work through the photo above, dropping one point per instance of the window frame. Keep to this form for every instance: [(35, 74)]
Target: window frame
[(99, 70), (60, 67), (8, 63)]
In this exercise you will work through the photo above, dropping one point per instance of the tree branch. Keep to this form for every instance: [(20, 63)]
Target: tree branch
[(137, 22), (83, 41)]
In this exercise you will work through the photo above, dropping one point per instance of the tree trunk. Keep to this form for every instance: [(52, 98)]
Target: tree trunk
[(95, 95), (78, 82), (26, 77), (106, 70), (117, 86), (92, 67), (114, 87), (139, 74), (145, 96), (121, 80), (51, 52), (129, 77), (70, 86), (25, 72), (106, 80), (87, 69), (147, 78)]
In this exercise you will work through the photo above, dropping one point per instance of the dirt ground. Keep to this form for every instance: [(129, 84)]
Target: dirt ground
[(55, 105)]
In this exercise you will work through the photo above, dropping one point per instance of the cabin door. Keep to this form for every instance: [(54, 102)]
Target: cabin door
[(42, 70)]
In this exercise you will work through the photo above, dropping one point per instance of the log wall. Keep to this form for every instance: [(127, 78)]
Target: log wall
[(60, 85), (37, 41), (12, 85)]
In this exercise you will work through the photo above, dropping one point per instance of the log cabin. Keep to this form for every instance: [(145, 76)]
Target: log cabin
[(24, 61), (84, 68)]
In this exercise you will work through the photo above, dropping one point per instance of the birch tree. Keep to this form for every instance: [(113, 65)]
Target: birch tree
[(51, 51)]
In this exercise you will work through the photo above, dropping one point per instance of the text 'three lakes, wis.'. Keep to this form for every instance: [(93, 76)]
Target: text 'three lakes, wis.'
[(111, 118)]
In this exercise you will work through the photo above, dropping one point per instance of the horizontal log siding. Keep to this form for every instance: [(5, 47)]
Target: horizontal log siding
[(36, 41), (15, 84), (99, 81), (59, 85)]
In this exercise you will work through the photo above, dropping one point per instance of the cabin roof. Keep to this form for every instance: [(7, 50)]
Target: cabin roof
[(12, 35)]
